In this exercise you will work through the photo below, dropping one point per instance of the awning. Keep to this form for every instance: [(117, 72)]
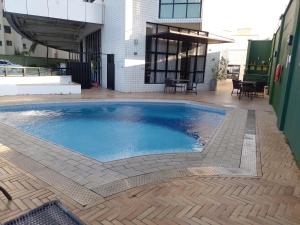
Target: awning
[(192, 37), (56, 33)]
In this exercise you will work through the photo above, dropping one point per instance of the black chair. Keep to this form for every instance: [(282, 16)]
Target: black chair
[(247, 89), (48, 214), (6, 194), (236, 85), (260, 87), (192, 88), (169, 85), (180, 86)]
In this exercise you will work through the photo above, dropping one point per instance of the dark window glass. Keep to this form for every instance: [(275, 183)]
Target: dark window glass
[(180, 9), (9, 43), (0, 43), (7, 29), (172, 59)]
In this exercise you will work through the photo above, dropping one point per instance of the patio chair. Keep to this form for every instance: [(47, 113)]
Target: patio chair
[(6, 194), (247, 89), (181, 86), (48, 214), (192, 88), (260, 87), (236, 85), (169, 85)]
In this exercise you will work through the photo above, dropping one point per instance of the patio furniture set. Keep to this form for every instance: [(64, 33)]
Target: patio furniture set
[(250, 89), (185, 86)]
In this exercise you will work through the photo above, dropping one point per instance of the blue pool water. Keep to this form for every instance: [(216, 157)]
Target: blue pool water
[(115, 130)]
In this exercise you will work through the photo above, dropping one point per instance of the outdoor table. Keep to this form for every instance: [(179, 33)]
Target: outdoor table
[(250, 91), (183, 83), (249, 82)]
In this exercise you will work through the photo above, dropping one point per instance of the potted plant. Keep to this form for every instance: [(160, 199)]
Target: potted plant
[(219, 73)]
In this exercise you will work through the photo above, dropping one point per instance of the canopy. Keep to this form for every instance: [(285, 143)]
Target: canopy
[(192, 37)]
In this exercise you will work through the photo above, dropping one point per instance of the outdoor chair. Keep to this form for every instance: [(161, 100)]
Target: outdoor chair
[(6, 194), (180, 86), (247, 89), (51, 213), (170, 85), (236, 85), (260, 87), (192, 88)]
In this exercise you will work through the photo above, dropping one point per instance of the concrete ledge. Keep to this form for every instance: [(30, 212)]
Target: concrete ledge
[(38, 85), (18, 80)]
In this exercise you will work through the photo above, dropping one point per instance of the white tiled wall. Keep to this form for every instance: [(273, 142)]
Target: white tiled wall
[(112, 38), (124, 34)]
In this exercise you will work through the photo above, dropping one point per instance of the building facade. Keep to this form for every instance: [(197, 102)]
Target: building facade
[(12, 43), (135, 44)]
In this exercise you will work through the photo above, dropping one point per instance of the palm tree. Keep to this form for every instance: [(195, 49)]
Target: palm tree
[(32, 48)]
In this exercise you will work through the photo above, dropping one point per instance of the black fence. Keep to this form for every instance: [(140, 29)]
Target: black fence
[(81, 73)]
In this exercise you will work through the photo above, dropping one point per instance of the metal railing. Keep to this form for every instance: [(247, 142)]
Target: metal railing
[(23, 71)]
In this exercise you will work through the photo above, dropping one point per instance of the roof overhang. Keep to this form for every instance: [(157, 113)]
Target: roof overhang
[(56, 33), (192, 37)]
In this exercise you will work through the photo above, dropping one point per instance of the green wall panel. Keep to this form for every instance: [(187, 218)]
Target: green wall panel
[(285, 95), (288, 27), (259, 51), (292, 118), (258, 60), (274, 62)]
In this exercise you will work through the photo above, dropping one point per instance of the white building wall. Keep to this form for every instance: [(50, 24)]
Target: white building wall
[(212, 60), (124, 34), (139, 12), (113, 41)]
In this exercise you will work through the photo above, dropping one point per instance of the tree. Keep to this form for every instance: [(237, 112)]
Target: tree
[(32, 48), (220, 69)]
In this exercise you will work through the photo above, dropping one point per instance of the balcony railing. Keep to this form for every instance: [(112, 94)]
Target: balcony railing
[(75, 10), (24, 71)]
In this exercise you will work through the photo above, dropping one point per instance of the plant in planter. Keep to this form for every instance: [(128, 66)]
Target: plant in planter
[(219, 73)]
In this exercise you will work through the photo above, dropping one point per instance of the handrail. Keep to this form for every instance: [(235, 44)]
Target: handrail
[(23, 71)]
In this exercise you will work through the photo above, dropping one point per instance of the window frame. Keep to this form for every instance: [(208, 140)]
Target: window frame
[(9, 43), (7, 29), (173, 3), (152, 52)]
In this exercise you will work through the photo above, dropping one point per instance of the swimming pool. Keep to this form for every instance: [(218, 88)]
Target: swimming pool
[(109, 131)]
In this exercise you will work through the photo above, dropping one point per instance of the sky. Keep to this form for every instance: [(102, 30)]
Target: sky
[(229, 15)]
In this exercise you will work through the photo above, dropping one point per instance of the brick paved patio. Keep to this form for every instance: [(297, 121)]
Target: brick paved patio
[(188, 196)]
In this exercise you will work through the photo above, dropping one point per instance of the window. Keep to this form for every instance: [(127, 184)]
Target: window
[(0, 43), (180, 9), (9, 43), (233, 71), (24, 46), (171, 58), (7, 29)]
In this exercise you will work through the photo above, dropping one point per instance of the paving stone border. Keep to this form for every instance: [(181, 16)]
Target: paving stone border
[(247, 166), (230, 152)]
